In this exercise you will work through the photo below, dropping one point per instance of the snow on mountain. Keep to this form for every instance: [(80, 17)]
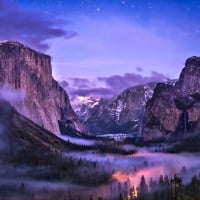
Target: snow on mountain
[(121, 114), (82, 105), (120, 106), (148, 93), (80, 100)]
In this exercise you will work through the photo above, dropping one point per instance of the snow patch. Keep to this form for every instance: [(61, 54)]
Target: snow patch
[(82, 106), (120, 106), (147, 94)]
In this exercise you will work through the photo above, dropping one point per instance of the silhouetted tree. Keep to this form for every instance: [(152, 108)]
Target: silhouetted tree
[(120, 196), (166, 180), (143, 188), (183, 170), (161, 181), (151, 184)]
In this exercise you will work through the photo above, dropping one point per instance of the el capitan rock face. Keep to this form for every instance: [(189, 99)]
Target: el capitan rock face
[(174, 110), (45, 102)]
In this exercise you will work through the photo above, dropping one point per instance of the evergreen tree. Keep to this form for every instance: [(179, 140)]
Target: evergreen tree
[(143, 188), (120, 196), (161, 181), (151, 184), (166, 180), (183, 170)]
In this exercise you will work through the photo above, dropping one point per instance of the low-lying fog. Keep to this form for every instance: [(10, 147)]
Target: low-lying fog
[(125, 169), (79, 141), (147, 163)]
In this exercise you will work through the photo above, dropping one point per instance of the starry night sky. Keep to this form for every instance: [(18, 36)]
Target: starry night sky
[(101, 47)]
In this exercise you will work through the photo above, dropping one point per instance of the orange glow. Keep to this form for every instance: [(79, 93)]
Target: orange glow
[(134, 178), (135, 194), (120, 176)]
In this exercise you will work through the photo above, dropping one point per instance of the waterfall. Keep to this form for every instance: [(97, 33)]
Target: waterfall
[(185, 121)]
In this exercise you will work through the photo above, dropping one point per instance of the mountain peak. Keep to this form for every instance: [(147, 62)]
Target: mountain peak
[(192, 59), (11, 42), (190, 75)]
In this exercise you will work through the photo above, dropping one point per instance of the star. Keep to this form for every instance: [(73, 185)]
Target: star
[(98, 9), (123, 2), (150, 5), (137, 17), (82, 4), (132, 6)]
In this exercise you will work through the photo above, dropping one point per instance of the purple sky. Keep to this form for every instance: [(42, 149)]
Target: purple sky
[(109, 44)]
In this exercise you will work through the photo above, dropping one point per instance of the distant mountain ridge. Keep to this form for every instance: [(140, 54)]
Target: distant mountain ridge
[(122, 113), (156, 111)]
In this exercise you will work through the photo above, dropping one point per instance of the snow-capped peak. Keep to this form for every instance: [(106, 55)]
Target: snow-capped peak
[(79, 101), (82, 105)]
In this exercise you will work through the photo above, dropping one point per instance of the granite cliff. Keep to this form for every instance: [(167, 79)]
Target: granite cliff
[(29, 72), (174, 110)]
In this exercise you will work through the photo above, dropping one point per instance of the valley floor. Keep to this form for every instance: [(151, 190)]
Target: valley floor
[(94, 175)]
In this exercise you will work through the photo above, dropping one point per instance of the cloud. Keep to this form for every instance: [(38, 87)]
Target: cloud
[(31, 27), (107, 87), (94, 92), (118, 83), (11, 95), (80, 82), (84, 87), (139, 69)]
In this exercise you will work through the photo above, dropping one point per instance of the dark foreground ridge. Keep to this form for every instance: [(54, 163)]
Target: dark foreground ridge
[(22, 140)]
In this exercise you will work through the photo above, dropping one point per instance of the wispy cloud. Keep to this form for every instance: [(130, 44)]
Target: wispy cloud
[(118, 83), (106, 87), (31, 27)]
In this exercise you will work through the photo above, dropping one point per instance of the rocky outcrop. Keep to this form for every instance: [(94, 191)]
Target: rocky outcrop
[(189, 78), (174, 110), (161, 116), (120, 114), (29, 73)]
